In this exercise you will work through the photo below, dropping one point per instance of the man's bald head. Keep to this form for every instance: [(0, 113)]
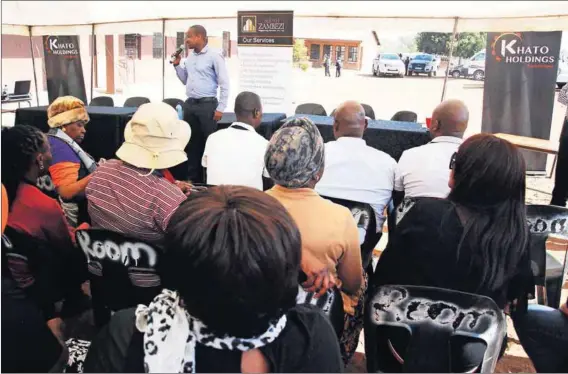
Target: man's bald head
[(450, 118), (349, 120), (248, 108)]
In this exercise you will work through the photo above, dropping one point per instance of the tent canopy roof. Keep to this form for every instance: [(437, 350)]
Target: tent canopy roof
[(525, 15)]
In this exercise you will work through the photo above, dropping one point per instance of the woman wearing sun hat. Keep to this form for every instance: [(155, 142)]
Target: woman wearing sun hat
[(71, 169), (132, 195)]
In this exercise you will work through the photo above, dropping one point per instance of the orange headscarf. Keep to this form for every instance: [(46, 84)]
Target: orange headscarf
[(4, 208)]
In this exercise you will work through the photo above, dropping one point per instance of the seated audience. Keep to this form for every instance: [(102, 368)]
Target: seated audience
[(475, 240), (231, 277), (24, 330), (295, 161), (353, 170), (543, 333), (71, 168), (27, 156), (423, 171), (37, 222), (235, 155), (131, 195)]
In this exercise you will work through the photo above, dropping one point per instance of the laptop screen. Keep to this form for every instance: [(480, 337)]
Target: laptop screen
[(22, 88)]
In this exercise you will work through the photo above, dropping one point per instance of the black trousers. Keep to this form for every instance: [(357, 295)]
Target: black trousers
[(199, 114), (337, 72), (560, 191), (327, 73)]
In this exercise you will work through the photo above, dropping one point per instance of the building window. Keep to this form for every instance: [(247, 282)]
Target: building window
[(157, 45), (327, 50), (314, 52), (180, 39), (352, 57), (132, 45), (340, 52)]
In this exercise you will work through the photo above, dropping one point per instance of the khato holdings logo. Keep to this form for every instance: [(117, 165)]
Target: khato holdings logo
[(511, 49), (56, 45)]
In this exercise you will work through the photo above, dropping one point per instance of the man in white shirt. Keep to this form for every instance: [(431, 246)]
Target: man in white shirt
[(353, 170), (424, 171), (236, 155)]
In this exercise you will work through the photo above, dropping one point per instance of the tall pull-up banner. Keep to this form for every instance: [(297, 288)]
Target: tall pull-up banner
[(63, 69), (520, 81), (265, 40)]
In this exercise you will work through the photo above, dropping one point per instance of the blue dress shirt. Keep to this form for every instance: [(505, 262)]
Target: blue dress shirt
[(202, 73)]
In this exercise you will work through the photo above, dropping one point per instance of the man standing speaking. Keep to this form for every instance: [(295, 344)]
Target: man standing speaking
[(202, 72)]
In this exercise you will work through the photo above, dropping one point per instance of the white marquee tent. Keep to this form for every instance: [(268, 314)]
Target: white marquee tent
[(47, 17)]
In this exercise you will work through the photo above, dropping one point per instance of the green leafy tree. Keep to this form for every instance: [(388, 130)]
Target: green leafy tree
[(433, 42), (300, 52), (467, 44)]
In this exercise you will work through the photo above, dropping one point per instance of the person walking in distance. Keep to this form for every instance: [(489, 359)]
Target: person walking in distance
[(202, 72), (326, 63), (338, 67)]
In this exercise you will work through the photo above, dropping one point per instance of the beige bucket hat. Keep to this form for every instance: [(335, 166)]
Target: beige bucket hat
[(155, 138)]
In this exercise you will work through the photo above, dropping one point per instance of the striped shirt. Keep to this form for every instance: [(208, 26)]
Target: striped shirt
[(122, 198)]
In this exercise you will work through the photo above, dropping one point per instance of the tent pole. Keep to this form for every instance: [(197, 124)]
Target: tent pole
[(164, 45), (33, 65), (452, 42), (93, 50)]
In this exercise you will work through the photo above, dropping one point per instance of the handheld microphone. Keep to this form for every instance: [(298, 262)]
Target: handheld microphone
[(177, 53)]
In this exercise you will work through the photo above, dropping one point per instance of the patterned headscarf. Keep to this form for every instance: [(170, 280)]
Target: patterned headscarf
[(295, 153)]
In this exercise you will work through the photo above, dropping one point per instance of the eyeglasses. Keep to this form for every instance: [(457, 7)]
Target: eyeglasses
[(453, 161)]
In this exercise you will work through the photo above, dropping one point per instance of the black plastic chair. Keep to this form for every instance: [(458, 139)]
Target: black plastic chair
[(122, 271), (173, 102), (436, 321), (405, 116), (136, 101), (369, 112), (311, 108), (364, 215), (102, 101), (331, 304), (544, 220)]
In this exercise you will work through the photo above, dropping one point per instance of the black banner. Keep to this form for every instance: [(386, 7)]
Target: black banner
[(520, 81), (266, 28), (63, 69)]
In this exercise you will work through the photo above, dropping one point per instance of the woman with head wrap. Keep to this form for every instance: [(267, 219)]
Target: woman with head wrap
[(71, 167), (330, 240)]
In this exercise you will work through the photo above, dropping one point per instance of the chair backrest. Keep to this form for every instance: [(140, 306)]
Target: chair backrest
[(434, 318), (173, 102), (544, 220), (405, 116), (311, 108), (366, 220), (102, 101), (369, 112), (136, 101), (331, 303), (122, 270)]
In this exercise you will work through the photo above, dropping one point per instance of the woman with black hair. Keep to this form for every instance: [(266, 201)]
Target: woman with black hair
[(473, 241), (230, 272), (37, 227)]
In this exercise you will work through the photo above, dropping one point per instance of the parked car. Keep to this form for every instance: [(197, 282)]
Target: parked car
[(388, 64), (457, 71), (476, 66), (423, 64)]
